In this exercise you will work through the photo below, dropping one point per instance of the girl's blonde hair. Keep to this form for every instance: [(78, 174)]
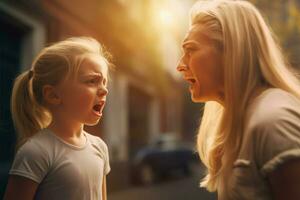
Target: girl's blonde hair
[(251, 59), (53, 64)]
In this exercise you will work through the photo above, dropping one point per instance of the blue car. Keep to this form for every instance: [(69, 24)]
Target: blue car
[(164, 157)]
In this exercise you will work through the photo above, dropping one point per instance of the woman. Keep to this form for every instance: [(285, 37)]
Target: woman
[(249, 138)]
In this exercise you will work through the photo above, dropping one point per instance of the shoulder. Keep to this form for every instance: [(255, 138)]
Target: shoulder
[(33, 158), (274, 129), (98, 145), (275, 119), (274, 107), (96, 142), (37, 145)]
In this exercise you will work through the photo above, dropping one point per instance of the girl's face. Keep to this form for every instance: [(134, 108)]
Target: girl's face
[(201, 66), (83, 98)]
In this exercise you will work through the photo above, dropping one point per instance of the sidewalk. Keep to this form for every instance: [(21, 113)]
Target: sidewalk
[(181, 188)]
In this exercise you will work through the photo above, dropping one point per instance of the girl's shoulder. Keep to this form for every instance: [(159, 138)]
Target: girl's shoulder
[(96, 142), (41, 141), (35, 149)]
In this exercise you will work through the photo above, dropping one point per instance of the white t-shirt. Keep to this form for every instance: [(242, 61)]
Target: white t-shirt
[(63, 171), (271, 138)]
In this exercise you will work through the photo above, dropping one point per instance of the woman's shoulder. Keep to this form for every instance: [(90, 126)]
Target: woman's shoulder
[(274, 128), (272, 106), (273, 99)]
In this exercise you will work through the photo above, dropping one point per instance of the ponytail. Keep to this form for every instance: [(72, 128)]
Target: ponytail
[(27, 115)]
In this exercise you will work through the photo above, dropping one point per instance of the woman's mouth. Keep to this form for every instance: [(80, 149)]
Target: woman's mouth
[(191, 80)]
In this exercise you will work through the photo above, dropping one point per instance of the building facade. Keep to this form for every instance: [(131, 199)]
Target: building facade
[(142, 101)]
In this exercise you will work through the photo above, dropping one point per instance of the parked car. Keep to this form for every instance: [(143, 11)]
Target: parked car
[(163, 157)]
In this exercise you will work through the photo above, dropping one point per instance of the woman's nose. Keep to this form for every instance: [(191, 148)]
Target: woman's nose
[(181, 67)]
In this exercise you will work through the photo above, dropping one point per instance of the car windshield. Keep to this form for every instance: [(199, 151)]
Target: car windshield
[(166, 142)]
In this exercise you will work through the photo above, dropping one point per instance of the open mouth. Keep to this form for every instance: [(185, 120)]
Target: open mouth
[(191, 80), (99, 107)]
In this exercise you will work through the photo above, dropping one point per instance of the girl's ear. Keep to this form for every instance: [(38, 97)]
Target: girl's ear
[(50, 95)]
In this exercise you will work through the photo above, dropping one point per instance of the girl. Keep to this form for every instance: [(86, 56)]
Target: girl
[(65, 89), (249, 138)]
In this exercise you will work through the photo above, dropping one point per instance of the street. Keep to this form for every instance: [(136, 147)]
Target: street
[(181, 188)]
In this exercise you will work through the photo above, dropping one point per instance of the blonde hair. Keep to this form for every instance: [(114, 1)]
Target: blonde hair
[(53, 64), (251, 59)]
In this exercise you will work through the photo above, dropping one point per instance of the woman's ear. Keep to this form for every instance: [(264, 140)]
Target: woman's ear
[(50, 95)]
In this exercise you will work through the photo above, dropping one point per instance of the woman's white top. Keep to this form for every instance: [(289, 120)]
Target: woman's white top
[(271, 138)]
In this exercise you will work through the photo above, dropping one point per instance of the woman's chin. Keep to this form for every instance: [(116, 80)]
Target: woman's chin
[(194, 96), (196, 99)]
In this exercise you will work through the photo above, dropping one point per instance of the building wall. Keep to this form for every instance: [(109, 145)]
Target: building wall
[(132, 83), (67, 20), (22, 36)]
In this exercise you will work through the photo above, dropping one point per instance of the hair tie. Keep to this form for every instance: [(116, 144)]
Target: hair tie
[(30, 73)]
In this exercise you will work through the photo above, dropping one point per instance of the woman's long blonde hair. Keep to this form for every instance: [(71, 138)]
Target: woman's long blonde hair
[(252, 59), (52, 65)]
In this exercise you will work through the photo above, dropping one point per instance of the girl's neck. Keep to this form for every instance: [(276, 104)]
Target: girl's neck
[(70, 134), (66, 129)]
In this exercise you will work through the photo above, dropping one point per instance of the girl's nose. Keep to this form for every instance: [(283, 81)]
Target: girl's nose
[(102, 91)]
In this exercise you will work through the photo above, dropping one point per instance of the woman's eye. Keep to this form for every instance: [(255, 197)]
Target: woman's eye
[(188, 51), (191, 50)]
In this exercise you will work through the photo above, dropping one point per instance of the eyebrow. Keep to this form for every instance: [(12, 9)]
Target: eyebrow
[(98, 75), (187, 42)]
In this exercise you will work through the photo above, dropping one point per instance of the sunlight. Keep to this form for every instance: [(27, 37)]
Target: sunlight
[(166, 18)]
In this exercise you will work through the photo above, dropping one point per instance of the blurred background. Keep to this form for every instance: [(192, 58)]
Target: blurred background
[(149, 121)]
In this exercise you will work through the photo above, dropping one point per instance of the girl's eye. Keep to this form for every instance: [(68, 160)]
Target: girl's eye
[(93, 81)]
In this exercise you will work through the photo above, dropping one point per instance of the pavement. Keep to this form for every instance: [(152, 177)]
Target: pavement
[(178, 188)]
